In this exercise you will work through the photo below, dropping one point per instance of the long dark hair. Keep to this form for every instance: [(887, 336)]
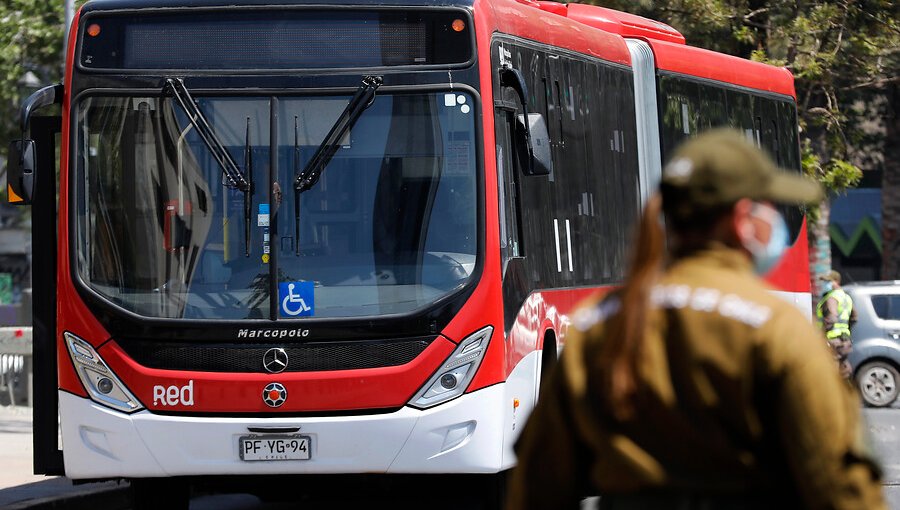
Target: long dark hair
[(692, 230)]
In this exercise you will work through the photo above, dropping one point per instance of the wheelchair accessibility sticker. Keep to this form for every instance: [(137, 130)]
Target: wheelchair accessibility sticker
[(297, 299)]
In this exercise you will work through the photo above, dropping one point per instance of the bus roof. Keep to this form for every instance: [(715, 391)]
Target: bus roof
[(529, 19), (709, 65), (545, 23)]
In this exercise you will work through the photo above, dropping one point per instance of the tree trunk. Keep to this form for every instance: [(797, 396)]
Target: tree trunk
[(819, 248), (890, 189), (818, 235)]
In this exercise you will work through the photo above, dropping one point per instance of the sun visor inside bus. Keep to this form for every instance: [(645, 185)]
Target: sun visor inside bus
[(275, 39)]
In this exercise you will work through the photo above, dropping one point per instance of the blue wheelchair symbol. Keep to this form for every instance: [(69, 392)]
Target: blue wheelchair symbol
[(297, 299)]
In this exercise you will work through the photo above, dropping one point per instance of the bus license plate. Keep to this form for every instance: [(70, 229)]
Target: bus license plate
[(274, 447)]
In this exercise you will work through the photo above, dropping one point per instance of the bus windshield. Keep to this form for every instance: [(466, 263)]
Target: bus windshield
[(390, 227)]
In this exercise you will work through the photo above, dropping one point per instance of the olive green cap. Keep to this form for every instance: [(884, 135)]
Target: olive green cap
[(720, 167)]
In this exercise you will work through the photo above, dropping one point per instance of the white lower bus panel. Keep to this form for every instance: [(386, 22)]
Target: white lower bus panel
[(471, 434)]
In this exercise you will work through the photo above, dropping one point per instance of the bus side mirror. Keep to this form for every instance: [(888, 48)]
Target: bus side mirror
[(531, 129), (541, 158), (20, 167)]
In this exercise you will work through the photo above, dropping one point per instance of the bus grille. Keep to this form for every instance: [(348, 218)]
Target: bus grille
[(309, 357)]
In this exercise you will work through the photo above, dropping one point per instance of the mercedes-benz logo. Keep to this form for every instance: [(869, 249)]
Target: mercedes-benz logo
[(274, 394), (275, 360)]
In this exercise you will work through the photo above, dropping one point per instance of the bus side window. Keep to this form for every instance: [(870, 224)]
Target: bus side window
[(776, 147), (508, 174)]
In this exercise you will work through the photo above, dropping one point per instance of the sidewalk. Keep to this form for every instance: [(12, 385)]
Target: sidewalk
[(15, 448), (17, 483)]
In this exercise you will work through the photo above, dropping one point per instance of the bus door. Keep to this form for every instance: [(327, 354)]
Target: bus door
[(31, 179), (48, 458)]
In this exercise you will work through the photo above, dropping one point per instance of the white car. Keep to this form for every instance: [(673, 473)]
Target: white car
[(876, 341)]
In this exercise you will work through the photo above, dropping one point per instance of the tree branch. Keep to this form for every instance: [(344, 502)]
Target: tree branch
[(754, 24), (873, 83), (751, 14), (840, 36)]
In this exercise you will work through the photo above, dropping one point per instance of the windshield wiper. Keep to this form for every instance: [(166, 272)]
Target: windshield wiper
[(309, 176), (362, 99), (234, 178)]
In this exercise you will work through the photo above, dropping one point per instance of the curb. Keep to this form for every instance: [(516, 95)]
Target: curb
[(107, 498)]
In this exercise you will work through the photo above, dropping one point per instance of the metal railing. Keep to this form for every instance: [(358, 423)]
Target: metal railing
[(16, 375)]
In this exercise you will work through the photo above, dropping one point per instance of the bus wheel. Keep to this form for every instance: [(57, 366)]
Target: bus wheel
[(156, 493), (548, 356)]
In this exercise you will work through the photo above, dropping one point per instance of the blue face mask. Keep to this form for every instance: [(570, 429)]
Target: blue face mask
[(827, 287), (766, 256)]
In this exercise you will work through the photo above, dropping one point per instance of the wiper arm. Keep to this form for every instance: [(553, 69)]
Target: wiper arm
[(234, 178), (362, 99), (233, 174)]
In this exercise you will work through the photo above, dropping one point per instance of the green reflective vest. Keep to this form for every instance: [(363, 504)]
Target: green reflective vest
[(844, 308)]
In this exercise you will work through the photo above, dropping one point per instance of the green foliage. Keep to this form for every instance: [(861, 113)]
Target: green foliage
[(31, 36), (810, 163), (840, 175), (31, 41), (837, 175)]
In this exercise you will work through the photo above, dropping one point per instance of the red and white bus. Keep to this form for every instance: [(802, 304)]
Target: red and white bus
[(310, 237)]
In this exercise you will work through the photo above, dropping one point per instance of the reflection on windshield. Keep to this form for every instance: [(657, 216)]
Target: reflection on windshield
[(389, 228)]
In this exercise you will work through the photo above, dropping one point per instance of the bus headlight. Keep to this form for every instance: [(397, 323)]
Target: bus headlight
[(100, 382), (454, 376)]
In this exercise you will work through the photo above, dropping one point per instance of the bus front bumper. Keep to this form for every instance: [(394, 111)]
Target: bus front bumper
[(471, 434)]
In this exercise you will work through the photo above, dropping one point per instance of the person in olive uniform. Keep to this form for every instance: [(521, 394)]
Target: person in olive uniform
[(693, 386), (835, 314)]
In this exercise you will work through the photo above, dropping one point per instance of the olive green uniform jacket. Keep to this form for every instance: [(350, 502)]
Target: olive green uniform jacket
[(737, 394)]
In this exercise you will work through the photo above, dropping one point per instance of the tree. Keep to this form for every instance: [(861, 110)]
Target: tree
[(31, 36), (842, 53), (890, 187)]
